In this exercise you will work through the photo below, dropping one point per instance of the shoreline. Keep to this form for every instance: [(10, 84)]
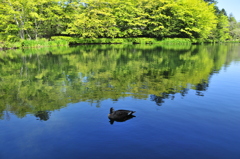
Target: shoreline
[(73, 41)]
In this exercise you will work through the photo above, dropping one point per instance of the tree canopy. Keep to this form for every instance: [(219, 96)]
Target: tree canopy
[(34, 19)]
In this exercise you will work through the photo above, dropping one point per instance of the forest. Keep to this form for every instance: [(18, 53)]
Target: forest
[(193, 19)]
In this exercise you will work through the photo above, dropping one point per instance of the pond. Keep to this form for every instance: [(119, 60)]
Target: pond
[(54, 102)]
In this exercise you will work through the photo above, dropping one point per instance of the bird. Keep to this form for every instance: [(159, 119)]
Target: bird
[(120, 115)]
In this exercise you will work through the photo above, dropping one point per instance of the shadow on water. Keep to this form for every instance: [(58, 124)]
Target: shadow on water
[(47, 79)]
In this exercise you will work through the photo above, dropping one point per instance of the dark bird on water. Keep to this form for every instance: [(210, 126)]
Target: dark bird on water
[(120, 115)]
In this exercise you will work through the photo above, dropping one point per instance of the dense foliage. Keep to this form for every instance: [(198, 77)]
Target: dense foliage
[(33, 19)]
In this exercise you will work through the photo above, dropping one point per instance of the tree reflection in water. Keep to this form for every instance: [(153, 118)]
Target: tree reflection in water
[(52, 78), (160, 99), (201, 87), (43, 115)]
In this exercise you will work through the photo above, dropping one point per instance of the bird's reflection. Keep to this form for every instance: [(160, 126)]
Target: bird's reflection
[(120, 115)]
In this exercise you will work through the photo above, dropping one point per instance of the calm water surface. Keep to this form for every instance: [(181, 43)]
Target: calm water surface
[(54, 102)]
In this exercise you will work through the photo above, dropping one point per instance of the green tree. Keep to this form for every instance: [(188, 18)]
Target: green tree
[(196, 18), (31, 19), (130, 18), (93, 19), (183, 18), (221, 32), (234, 27), (161, 22)]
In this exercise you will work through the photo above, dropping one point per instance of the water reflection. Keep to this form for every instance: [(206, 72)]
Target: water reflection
[(201, 87), (111, 121), (48, 79), (43, 115), (159, 100)]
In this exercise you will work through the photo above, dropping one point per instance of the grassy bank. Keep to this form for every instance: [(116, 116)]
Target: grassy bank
[(76, 41), (33, 43), (65, 41)]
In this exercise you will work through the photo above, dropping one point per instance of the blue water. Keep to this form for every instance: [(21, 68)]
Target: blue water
[(188, 126)]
